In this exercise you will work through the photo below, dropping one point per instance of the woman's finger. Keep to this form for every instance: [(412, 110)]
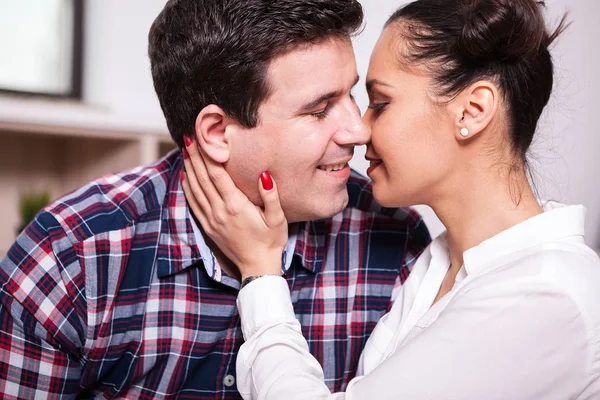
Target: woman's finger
[(196, 161), (222, 181), (198, 211), (274, 215), (196, 191)]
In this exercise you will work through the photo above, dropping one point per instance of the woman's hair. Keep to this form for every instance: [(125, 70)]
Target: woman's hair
[(462, 41)]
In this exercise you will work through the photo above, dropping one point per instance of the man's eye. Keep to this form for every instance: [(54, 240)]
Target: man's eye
[(321, 114)]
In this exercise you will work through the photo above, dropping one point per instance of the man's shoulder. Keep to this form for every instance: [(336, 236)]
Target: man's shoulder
[(113, 201)]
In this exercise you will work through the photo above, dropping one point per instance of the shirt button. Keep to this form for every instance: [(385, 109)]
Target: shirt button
[(229, 380)]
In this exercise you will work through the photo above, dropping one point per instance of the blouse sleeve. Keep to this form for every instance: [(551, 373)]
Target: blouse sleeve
[(507, 340)]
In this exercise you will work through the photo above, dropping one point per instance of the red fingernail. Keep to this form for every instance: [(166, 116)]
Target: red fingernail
[(185, 154), (188, 140), (182, 176), (267, 181)]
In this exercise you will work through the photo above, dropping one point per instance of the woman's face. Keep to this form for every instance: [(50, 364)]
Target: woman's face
[(413, 144)]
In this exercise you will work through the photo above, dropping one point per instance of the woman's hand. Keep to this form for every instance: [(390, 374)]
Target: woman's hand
[(252, 238)]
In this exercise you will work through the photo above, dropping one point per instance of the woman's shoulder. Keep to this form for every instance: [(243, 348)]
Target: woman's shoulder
[(568, 272), (564, 263), (574, 269)]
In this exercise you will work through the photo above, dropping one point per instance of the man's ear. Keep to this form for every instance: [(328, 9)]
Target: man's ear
[(212, 126), (475, 108)]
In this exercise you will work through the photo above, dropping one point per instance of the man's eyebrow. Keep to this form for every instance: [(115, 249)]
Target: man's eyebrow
[(324, 97), (373, 82)]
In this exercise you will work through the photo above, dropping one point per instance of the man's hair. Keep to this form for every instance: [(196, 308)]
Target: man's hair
[(218, 51)]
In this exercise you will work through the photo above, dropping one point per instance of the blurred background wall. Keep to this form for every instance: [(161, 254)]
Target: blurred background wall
[(58, 144)]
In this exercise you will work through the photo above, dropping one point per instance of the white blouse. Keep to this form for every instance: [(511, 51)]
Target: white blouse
[(521, 322)]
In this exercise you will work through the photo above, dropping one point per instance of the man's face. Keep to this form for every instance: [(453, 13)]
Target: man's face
[(307, 131)]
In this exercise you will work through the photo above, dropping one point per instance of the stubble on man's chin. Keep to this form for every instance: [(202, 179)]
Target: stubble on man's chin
[(324, 212)]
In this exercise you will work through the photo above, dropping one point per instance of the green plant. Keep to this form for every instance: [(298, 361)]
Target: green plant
[(30, 204)]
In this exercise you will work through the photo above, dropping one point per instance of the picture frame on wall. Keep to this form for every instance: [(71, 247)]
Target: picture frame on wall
[(42, 47)]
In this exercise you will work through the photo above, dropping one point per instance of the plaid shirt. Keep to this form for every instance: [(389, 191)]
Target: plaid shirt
[(105, 293)]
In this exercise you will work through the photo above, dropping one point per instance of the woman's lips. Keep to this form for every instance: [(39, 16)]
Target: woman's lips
[(373, 166)]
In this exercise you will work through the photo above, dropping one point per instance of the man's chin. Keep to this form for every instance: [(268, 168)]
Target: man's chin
[(325, 209)]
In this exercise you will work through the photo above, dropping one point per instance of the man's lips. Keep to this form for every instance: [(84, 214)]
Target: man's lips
[(335, 165)]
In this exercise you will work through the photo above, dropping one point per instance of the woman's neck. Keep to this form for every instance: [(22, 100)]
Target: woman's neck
[(484, 206)]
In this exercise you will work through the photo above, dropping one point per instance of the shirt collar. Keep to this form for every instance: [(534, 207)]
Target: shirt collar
[(555, 223), (314, 240), (214, 270), (177, 249)]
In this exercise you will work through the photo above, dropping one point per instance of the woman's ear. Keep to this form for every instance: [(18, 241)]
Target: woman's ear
[(475, 108), (212, 125)]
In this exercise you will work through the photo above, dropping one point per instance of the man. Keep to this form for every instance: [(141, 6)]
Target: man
[(113, 291)]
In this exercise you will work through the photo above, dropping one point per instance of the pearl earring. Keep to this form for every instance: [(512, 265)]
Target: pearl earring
[(464, 132)]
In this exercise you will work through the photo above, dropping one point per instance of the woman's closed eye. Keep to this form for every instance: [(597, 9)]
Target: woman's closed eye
[(378, 108)]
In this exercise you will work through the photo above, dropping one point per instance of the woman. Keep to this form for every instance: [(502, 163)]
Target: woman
[(504, 304)]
